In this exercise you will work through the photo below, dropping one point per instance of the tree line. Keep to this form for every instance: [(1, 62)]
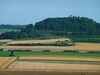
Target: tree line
[(8, 26)]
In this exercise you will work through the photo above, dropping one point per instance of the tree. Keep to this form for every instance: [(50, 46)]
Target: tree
[(12, 53)]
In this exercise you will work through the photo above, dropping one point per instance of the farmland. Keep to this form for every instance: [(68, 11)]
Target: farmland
[(5, 61), (56, 61)]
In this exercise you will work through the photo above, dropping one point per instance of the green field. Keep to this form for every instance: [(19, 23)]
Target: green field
[(7, 53), (7, 30), (2, 43)]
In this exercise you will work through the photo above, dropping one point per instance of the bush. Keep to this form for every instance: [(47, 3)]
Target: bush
[(93, 52), (1, 49), (46, 51), (70, 51), (20, 50)]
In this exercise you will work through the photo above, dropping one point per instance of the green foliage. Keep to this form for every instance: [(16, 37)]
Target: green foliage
[(12, 53), (7, 53), (2, 43), (7, 30), (92, 40)]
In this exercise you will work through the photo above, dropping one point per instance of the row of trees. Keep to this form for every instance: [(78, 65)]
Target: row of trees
[(8, 26)]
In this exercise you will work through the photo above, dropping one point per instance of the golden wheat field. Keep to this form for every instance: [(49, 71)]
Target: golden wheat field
[(5, 61), (38, 41), (78, 46), (60, 58)]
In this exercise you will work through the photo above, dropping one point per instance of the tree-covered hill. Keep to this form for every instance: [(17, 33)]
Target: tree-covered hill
[(75, 25), (72, 27)]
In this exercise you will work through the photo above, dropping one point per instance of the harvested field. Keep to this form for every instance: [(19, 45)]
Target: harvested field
[(37, 41), (47, 72), (6, 40), (60, 58), (52, 66), (78, 46), (5, 61)]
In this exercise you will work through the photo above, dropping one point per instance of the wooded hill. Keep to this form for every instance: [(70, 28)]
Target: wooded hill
[(72, 26)]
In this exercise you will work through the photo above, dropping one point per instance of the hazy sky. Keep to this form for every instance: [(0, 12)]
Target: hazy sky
[(32, 11)]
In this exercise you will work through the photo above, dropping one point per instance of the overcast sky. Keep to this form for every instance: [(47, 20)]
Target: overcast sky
[(32, 11)]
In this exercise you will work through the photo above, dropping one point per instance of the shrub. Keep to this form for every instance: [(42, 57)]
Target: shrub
[(46, 51), (1, 49), (93, 52), (20, 50), (70, 51)]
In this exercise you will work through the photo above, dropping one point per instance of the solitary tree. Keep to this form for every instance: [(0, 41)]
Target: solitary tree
[(12, 53)]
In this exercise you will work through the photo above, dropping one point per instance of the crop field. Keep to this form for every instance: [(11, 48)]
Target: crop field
[(59, 58), (37, 41), (78, 46), (5, 61), (6, 40), (55, 62)]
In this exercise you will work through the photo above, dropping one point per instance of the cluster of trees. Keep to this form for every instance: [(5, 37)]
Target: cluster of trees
[(72, 26), (27, 32), (76, 26), (8, 26)]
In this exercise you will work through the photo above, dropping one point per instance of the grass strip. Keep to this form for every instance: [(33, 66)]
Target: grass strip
[(7, 53)]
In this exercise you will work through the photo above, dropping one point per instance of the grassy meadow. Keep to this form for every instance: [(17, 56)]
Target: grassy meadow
[(22, 53)]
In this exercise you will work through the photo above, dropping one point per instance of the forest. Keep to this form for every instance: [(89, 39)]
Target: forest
[(76, 28)]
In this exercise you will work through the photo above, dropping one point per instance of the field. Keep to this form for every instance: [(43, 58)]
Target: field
[(5, 61), (79, 46), (51, 63), (22, 53), (83, 47), (55, 62)]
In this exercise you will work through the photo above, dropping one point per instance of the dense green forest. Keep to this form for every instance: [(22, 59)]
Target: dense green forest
[(73, 27)]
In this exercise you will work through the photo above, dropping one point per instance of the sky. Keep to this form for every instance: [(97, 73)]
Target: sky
[(24, 12)]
